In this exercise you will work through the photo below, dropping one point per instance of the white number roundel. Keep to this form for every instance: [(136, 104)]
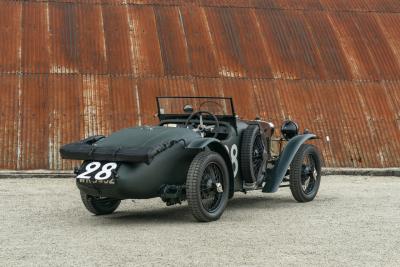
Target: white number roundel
[(233, 153), (103, 174)]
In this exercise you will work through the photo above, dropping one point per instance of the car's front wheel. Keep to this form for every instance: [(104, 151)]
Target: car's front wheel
[(99, 205), (305, 173), (207, 186)]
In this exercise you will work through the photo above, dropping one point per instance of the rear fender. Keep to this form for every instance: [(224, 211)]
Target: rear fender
[(201, 143), (216, 146), (280, 169)]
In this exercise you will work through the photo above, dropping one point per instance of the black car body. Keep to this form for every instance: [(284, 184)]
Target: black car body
[(201, 152)]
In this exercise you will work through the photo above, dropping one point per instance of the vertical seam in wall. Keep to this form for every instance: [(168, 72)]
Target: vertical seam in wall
[(19, 119), (189, 60), (132, 29), (104, 37), (138, 104)]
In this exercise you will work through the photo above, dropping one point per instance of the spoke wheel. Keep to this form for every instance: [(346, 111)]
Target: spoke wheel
[(252, 155), (305, 173), (99, 205), (309, 174), (207, 186)]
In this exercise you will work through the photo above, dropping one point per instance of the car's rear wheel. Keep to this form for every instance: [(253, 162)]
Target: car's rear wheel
[(207, 186), (99, 205), (305, 173), (252, 163)]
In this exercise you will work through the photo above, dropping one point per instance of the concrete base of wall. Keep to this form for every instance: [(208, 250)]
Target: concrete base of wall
[(362, 171), (9, 174), (4, 174)]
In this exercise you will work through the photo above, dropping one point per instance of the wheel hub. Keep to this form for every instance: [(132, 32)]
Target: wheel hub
[(309, 175), (212, 187), (219, 188)]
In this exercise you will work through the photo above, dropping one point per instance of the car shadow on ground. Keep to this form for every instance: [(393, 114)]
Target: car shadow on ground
[(181, 214)]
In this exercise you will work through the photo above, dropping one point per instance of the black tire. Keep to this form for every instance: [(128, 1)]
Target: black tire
[(251, 154), (99, 206), (305, 173), (205, 201)]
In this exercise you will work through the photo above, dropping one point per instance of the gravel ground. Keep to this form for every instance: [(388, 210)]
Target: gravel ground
[(353, 221)]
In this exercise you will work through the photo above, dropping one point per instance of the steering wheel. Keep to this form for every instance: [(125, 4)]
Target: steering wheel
[(203, 128), (213, 102)]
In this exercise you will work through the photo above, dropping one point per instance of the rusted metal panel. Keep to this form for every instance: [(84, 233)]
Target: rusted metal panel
[(91, 39), (160, 2), (292, 54), (146, 53), (173, 44), (331, 5), (64, 38), (327, 46), (242, 42), (390, 6), (35, 45), (330, 142), (297, 35), (9, 121), (362, 133), (290, 94), (124, 110), (362, 63), (380, 117), (363, 146), (253, 49), (229, 54), (75, 68), (269, 106), (34, 130), (203, 55), (390, 25), (303, 4), (336, 132), (117, 40), (243, 96), (378, 47), (227, 3), (393, 95), (364, 118), (10, 37), (361, 5), (207, 86), (148, 89), (96, 105), (278, 100), (344, 5), (65, 110), (177, 87)]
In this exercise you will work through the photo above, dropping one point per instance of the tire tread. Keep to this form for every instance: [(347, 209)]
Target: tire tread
[(295, 172), (86, 200), (246, 150), (195, 171)]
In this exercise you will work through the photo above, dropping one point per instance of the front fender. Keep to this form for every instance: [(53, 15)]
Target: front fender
[(280, 169)]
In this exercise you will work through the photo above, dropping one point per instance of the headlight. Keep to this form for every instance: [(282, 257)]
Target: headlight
[(289, 129)]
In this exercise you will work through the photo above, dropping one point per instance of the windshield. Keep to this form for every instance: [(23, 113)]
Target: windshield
[(218, 106)]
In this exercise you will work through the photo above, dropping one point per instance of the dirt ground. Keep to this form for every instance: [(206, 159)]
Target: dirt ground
[(353, 221)]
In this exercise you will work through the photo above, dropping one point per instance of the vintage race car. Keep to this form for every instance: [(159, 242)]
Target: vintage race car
[(200, 152)]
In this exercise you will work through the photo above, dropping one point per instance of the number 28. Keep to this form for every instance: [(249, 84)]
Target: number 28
[(103, 174)]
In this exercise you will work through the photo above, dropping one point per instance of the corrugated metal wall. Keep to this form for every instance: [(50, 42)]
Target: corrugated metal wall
[(70, 69)]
